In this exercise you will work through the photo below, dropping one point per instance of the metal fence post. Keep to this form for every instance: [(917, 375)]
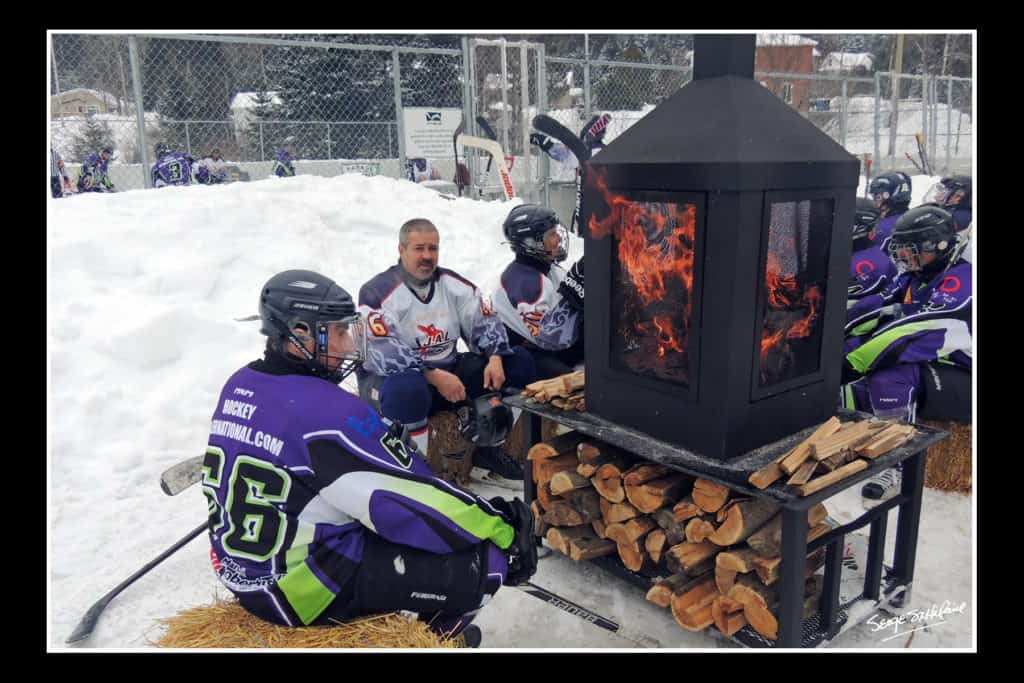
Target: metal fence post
[(56, 82), (471, 165), (524, 118), (504, 94), (586, 76), (924, 116), (263, 155), (328, 140), (399, 122), (140, 114), (878, 98), (542, 108), (188, 140), (842, 117), (949, 123)]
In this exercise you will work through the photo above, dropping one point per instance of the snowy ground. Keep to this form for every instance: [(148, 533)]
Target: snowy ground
[(144, 290)]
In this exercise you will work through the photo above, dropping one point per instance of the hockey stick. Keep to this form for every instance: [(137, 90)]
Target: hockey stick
[(585, 614), (489, 132), (455, 145), (179, 477), (923, 154), (85, 627), (914, 162), (494, 149), (549, 126)]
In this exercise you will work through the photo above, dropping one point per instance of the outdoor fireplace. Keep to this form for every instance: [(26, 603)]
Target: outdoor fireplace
[(717, 248)]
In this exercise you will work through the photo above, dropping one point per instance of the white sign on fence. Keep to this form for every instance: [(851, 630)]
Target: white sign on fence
[(370, 168), (429, 131)]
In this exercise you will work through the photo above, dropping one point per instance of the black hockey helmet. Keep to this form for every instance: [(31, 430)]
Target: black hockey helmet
[(316, 304), (952, 192), (865, 218), (891, 190), (525, 228), (927, 229), (161, 149), (485, 420)]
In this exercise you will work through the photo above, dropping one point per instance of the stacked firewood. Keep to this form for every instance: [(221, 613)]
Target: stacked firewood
[(833, 452), (718, 551), (564, 391)]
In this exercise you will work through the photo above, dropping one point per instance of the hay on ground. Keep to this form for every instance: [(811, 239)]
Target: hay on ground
[(225, 624), (948, 467)]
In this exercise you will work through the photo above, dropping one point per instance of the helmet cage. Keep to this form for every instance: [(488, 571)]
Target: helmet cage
[(319, 332)]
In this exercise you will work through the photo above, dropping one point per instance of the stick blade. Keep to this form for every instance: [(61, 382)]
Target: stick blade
[(85, 627), (179, 477)]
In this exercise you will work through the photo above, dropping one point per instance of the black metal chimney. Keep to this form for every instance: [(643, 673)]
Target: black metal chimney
[(723, 55)]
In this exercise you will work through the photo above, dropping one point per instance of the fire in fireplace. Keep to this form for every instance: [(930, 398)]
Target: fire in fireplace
[(717, 252)]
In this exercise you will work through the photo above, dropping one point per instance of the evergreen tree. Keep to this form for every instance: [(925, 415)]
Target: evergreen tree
[(94, 136)]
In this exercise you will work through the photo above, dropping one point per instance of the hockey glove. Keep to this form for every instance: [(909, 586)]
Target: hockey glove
[(522, 554), (542, 141), (572, 286)]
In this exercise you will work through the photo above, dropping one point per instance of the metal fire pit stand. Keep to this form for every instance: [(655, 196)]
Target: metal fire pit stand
[(891, 586)]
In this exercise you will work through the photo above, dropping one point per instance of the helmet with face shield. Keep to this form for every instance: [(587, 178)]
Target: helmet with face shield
[(952, 192), (923, 239), (309, 315), (535, 230)]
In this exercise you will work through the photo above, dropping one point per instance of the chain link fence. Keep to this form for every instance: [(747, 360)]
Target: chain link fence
[(339, 104)]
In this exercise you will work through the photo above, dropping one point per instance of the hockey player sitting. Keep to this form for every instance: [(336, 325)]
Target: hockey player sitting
[(322, 512), (541, 305), (93, 176), (416, 313), (891, 194), (212, 170), (171, 168), (871, 269), (419, 169), (954, 195), (283, 167), (917, 361)]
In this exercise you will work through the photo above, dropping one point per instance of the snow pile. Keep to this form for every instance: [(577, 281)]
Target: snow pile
[(144, 289)]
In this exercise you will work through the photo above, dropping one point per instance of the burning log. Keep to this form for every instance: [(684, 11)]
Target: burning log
[(728, 614), (662, 592), (699, 529), (799, 454), (613, 513), (767, 540), (708, 495), (675, 532), (555, 447), (650, 495), (743, 519)]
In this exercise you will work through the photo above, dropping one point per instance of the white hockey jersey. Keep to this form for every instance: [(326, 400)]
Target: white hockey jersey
[(523, 296)]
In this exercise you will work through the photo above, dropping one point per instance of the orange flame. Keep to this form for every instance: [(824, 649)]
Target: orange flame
[(802, 328), (666, 336)]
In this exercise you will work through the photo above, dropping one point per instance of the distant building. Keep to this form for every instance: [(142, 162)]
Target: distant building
[(81, 102), (855, 63), (786, 53)]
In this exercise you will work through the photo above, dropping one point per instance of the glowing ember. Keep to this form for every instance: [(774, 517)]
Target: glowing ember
[(802, 328)]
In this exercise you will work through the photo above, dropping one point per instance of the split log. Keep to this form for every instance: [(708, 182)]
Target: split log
[(573, 381), (767, 540), (766, 476), (893, 436), (708, 495), (725, 579), (559, 445), (650, 495), (544, 495), (728, 615), (581, 508), (567, 480), (610, 488), (723, 511), (590, 546), (799, 454), (749, 589), (590, 452), (654, 544), (634, 557), (851, 435), (764, 620), (662, 592), (838, 460), (686, 509), (738, 560), (540, 527), (613, 513), (643, 472), (675, 532), (558, 403), (742, 520), (821, 482), (560, 537), (588, 468), (599, 527), (692, 609), (543, 470), (685, 557), (699, 529), (631, 531), (767, 568), (803, 473)]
